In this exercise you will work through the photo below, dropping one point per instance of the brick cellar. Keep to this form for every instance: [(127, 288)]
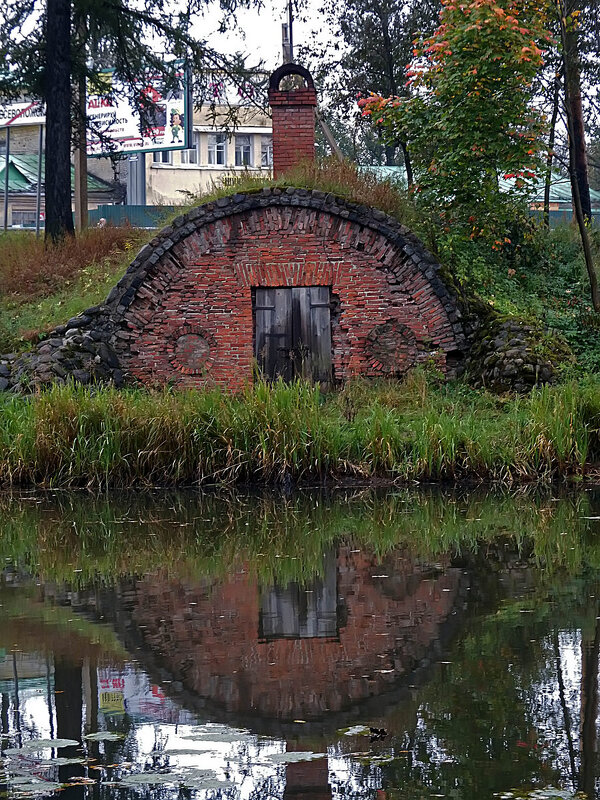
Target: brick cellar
[(283, 281), (294, 281)]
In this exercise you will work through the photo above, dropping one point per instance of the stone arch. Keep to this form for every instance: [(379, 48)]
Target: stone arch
[(190, 290)]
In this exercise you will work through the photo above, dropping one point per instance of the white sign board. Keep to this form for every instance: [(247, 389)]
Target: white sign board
[(116, 122), (31, 112)]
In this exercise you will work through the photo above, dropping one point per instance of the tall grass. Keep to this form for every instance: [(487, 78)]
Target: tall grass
[(415, 431), (30, 269)]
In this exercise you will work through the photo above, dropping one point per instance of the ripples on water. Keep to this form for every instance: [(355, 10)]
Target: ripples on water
[(403, 645)]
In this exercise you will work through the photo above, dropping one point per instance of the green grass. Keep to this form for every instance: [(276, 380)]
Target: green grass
[(43, 287), (411, 431)]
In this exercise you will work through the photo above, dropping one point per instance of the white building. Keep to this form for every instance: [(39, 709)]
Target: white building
[(217, 156)]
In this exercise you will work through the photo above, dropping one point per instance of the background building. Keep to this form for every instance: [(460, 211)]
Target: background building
[(218, 155)]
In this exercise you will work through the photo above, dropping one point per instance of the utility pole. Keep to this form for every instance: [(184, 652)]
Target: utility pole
[(291, 29), (287, 36), (6, 174)]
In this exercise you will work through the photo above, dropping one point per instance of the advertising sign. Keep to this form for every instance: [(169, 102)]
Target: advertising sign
[(129, 691), (116, 124), (31, 112)]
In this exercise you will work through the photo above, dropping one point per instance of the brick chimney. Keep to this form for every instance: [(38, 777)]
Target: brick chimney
[(293, 117)]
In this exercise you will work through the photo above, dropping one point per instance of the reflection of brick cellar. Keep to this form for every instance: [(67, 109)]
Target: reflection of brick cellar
[(210, 636)]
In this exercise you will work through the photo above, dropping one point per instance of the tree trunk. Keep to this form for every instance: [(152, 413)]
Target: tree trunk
[(390, 155), (550, 156), (575, 111), (407, 164), (57, 91), (576, 145)]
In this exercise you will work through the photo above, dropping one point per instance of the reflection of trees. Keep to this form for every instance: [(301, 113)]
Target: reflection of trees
[(270, 788), (68, 703), (590, 645), (502, 715), (564, 705)]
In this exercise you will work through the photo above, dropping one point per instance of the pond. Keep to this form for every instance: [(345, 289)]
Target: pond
[(397, 645)]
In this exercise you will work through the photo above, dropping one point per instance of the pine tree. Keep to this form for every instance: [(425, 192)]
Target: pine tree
[(45, 55)]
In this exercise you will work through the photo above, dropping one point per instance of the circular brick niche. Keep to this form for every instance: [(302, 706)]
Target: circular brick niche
[(391, 348), (191, 349), (186, 310)]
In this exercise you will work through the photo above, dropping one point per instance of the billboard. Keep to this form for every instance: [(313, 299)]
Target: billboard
[(31, 112), (156, 121)]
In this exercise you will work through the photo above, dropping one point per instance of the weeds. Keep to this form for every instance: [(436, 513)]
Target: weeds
[(414, 431), (340, 178), (29, 269)]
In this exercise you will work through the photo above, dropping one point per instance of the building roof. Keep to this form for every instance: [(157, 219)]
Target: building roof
[(23, 172), (560, 191), (560, 188)]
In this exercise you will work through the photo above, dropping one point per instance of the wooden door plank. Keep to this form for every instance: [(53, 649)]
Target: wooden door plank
[(282, 335), (264, 309), (320, 329), (301, 334)]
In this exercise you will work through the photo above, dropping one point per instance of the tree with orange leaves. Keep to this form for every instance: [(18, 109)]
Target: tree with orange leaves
[(470, 121)]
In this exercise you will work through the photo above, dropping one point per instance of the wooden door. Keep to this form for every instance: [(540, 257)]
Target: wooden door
[(293, 332)]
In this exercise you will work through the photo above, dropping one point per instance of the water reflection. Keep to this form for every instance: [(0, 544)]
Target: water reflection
[(210, 648)]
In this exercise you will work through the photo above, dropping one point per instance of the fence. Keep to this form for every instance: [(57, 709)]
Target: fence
[(136, 216)]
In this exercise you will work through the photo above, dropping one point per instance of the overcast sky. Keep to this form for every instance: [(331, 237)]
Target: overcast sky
[(259, 34)]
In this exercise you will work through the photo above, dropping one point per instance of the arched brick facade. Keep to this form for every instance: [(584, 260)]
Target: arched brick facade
[(185, 306), (186, 311)]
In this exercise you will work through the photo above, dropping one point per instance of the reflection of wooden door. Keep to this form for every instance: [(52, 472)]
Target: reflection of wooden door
[(293, 332)]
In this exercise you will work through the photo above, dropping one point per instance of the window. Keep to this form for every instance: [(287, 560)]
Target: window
[(266, 151), (217, 144), (192, 156), (162, 157), (23, 218), (243, 151)]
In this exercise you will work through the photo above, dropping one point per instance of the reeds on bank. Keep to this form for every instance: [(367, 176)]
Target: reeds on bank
[(416, 430)]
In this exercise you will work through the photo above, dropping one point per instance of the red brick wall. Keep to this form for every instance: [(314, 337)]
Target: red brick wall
[(293, 128), (191, 318)]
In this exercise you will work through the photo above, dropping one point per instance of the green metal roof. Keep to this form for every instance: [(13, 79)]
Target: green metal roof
[(23, 172), (560, 188), (560, 191)]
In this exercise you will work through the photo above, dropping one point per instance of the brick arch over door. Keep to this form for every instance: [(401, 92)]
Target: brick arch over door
[(186, 305)]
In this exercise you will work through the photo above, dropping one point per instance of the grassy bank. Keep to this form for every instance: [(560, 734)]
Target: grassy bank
[(416, 430), (43, 286)]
